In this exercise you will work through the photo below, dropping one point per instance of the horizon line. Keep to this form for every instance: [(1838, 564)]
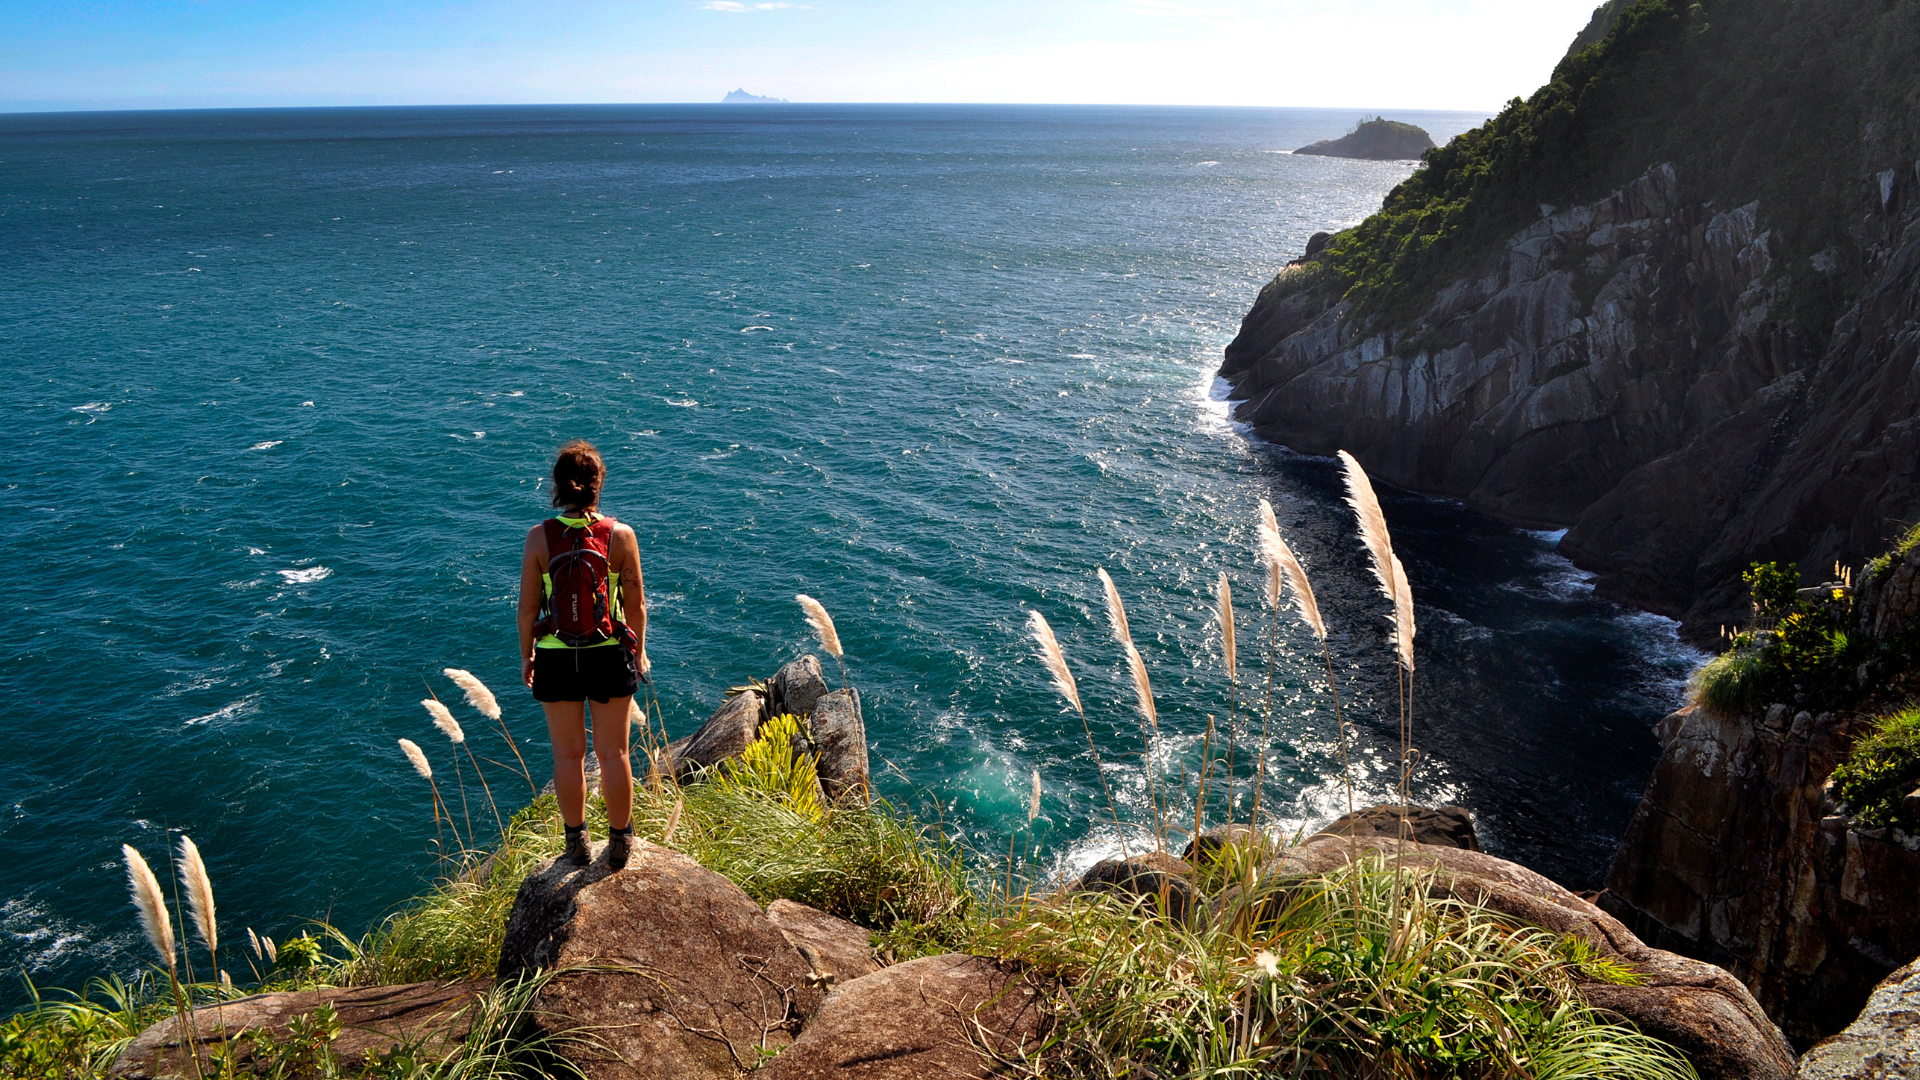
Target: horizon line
[(81, 109)]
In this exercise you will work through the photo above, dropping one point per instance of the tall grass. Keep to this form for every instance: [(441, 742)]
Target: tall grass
[(1355, 973)]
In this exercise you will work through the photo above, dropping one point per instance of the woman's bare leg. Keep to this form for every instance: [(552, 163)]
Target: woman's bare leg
[(567, 730), (610, 730)]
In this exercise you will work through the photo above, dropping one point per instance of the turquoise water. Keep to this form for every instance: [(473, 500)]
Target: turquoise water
[(284, 385)]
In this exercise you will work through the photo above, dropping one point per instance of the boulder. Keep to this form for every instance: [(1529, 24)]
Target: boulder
[(1699, 1008), (1156, 875), (1434, 826), (725, 734), (832, 945), (840, 735), (796, 687), (436, 1015), (1210, 842), (926, 1018), (688, 978), (1883, 1044)]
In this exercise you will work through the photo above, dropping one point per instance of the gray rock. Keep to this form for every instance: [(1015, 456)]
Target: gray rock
[(1164, 881), (1883, 1044), (373, 1019), (725, 734), (924, 1019), (1214, 840), (840, 734), (689, 978), (1736, 854), (1624, 369), (834, 946), (796, 687), (1441, 826)]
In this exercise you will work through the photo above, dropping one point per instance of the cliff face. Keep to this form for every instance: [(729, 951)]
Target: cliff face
[(1738, 855), (1623, 369)]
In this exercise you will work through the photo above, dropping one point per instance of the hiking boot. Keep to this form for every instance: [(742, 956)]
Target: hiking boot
[(577, 851), (619, 846)]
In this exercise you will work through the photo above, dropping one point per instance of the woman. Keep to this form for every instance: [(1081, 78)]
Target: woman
[(579, 585)]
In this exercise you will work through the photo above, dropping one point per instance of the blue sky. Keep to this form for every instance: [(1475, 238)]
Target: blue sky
[(1409, 54)]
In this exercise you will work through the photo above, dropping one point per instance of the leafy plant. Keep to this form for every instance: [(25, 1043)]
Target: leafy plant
[(774, 764), (1883, 767)]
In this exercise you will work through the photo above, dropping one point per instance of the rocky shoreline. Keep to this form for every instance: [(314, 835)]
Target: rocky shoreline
[(1626, 370)]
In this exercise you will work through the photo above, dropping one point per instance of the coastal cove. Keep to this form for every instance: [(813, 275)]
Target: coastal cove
[(287, 383)]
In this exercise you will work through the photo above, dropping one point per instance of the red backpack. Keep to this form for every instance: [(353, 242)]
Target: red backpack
[(579, 607)]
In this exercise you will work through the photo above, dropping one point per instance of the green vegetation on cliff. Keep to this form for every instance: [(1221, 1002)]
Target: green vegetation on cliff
[(1790, 102)]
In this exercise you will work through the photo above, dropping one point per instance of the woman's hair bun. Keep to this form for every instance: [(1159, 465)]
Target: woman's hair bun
[(578, 473)]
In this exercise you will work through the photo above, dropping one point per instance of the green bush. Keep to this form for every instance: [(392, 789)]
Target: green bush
[(1883, 767), (1801, 652)]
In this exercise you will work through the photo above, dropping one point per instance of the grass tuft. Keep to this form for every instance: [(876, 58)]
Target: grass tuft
[(1882, 769)]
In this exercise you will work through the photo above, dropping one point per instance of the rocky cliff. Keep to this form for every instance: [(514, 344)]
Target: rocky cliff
[(1621, 369), (1738, 853), (1708, 360)]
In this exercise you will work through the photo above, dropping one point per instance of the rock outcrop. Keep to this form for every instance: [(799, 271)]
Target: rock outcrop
[(840, 741), (1434, 826), (1155, 876), (1883, 1044), (1695, 1006), (1375, 140), (925, 1018), (1626, 370), (1737, 855), (726, 733), (838, 950), (433, 1016), (683, 976), (796, 687)]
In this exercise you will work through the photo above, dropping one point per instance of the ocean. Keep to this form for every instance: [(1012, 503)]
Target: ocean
[(283, 387)]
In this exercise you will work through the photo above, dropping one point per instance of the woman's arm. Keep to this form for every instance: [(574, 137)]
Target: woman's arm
[(633, 590), (533, 563)]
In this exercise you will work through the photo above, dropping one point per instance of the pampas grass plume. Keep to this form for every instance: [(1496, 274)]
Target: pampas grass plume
[(443, 719), (673, 821), (418, 757), (1141, 688), (1386, 568), (1054, 659), (193, 870), (1225, 614), (1116, 611), (1280, 560), (1269, 531), (822, 624), (1033, 804), (478, 695), (152, 906), (1402, 614)]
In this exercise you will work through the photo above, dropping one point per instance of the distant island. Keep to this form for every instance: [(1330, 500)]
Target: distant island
[(741, 96), (1374, 140)]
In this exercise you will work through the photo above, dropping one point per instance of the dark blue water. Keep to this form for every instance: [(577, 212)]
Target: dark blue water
[(283, 386)]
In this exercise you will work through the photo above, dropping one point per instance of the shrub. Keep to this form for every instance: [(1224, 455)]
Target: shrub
[(1883, 767), (1799, 652)]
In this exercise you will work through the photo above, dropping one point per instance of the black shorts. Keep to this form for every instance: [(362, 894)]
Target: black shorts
[(601, 673)]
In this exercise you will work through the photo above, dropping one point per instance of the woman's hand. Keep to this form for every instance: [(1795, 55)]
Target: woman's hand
[(526, 670)]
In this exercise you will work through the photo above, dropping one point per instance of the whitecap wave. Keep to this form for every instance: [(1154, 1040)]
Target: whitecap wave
[(266, 445), (226, 712), (306, 576)]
